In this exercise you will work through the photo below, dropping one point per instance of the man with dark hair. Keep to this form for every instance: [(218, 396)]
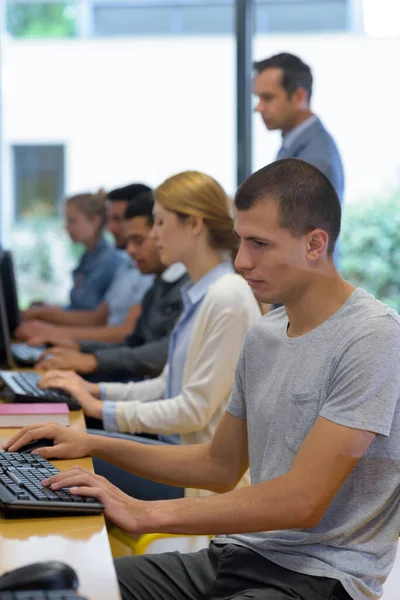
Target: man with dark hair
[(117, 202), (283, 85), (117, 314), (314, 413), (144, 351)]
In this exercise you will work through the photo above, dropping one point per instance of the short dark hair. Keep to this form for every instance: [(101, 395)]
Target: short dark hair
[(141, 206), (128, 192), (295, 73), (306, 198)]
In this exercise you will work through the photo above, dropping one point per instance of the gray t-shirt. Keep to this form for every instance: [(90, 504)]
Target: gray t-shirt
[(346, 370)]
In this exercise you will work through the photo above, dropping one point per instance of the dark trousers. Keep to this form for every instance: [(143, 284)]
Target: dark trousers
[(221, 572)]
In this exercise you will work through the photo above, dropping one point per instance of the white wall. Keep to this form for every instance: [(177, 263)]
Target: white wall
[(142, 109)]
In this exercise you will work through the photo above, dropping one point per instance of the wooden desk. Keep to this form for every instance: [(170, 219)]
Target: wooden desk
[(81, 542)]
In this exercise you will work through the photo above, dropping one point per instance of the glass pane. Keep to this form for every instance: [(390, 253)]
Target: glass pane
[(206, 20), (294, 17), (41, 19), (39, 179), (132, 20)]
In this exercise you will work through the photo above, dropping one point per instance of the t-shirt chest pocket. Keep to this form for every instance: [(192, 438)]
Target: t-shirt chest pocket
[(302, 412)]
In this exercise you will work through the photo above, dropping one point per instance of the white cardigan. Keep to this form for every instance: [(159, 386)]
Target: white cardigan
[(226, 313)]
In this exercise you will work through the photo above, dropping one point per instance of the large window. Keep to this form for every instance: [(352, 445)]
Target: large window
[(113, 18), (38, 179)]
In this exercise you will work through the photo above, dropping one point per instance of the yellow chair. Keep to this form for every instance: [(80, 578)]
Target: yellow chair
[(139, 544)]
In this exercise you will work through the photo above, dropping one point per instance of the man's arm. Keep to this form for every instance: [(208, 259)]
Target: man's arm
[(147, 359), (295, 500), (116, 333), (298, 499), (60, 316), (219, 465)]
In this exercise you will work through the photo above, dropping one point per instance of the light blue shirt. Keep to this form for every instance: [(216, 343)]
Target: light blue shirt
[(127, 289), (192, 296), (291, 137)]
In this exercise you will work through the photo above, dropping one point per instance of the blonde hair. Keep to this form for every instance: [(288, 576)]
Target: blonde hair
[(192, 193), (91, 205)]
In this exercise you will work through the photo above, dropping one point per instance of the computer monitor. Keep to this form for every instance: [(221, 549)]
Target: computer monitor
[(5, 340), (10, 296)]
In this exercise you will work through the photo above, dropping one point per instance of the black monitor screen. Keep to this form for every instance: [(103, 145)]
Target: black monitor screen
[(5, 341), (9, 290)]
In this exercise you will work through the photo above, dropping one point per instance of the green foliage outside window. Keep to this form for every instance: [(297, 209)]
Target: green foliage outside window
[(370, 247), (44, 20)]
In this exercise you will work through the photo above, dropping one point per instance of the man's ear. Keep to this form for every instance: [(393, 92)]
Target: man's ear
[(301, 97), (317, 244)]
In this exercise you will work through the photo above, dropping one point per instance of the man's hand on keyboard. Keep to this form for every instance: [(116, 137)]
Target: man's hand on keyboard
[(68, 443), (123, 510), (61, 358), (82, 390)]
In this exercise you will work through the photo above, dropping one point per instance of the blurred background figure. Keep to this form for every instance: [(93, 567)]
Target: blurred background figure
[(283, 86)]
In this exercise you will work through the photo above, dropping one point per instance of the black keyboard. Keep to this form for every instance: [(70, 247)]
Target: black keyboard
[(22, 493), (25, 389), (41, 595), (24, 354)]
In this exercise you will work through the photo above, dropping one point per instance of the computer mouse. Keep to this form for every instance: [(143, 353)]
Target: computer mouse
[(49, 575), (35, 444)]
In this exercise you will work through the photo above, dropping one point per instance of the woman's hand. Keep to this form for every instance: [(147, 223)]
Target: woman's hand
[(61, 358), (83, 391), (126, 512), (68, 443)]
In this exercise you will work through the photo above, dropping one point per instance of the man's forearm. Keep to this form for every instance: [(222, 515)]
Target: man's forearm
[(71, 317), (171, 465), (104, 333), (273, 505), (117, 333)]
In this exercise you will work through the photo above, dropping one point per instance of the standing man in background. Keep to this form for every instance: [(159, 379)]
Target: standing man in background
[(283, 85)]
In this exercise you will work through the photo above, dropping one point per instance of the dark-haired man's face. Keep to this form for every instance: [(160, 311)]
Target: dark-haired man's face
[(115, 220), (277, 109), (141, 246), (272, 261)]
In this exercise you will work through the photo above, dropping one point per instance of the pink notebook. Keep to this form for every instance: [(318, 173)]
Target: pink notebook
[(19, 415)]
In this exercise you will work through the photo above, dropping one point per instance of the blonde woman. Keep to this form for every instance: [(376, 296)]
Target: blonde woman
[(193, 225), (85, 219)]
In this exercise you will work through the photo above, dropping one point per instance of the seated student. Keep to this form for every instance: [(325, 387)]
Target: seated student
[(121, 304), (85, 217), (315, 412), (192, 225), (144, 352)]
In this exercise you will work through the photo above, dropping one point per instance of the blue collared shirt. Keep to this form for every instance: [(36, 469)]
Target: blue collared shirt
[(292, 135), (127, 289), (93, 276)]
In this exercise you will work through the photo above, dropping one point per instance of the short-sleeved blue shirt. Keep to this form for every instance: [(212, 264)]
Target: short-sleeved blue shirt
[(93, 276)]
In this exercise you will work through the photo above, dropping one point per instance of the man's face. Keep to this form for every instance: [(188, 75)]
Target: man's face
[(141, 247), (272, 260), (277, 109), (115, 220)]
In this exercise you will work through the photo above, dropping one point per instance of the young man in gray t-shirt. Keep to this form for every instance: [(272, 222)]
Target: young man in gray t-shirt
[(314, 413)]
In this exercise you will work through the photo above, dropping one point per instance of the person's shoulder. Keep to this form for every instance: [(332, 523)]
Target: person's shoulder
[(321, 135), (367, 315), (268, 327), (230, 290)]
